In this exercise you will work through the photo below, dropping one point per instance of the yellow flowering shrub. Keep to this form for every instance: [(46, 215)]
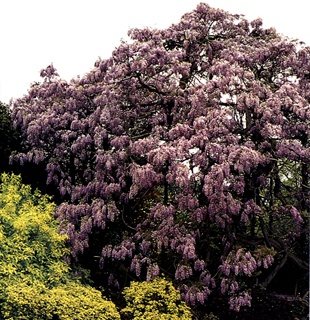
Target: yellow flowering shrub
[(35, 281), (30, 247), (71, 301), (155, 300)]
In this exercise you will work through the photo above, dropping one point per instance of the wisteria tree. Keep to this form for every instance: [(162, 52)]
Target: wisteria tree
[(185, 154)]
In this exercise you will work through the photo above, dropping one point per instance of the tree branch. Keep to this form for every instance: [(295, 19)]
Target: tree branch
[(275, 271)]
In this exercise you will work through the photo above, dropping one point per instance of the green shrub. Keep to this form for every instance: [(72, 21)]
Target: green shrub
[(155, 300), (35, 281), (71, 301)]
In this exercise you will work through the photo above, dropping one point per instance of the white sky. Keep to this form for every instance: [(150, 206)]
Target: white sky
[(72, 34)]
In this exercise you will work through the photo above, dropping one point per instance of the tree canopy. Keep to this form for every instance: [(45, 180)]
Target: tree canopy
[(186, 153)]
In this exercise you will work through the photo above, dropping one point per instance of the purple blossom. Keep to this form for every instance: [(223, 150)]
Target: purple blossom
[(152, 272), (199, 265), (296, 215), (243, 299), (183, 272)]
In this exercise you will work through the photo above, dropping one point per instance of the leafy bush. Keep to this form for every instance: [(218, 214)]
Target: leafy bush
[(35, 281), (64, 302), (30, 246), (157, 299)]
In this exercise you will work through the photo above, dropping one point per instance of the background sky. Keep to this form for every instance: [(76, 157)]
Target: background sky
[(73, 34)]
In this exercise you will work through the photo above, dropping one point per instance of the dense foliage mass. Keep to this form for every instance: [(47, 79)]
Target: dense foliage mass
[(186, 153), (35, 282), (155, 300), (9, 138)]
